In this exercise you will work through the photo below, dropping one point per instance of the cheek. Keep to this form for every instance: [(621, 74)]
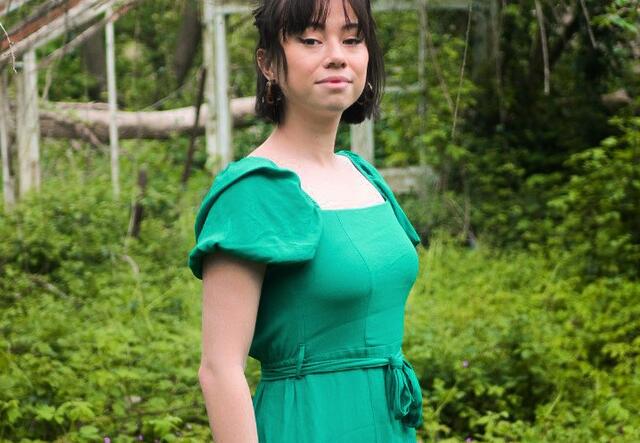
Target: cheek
[(300, 70), (361, 61), (365, 59)]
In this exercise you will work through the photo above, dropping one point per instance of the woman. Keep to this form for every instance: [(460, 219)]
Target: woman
[(305, 254)]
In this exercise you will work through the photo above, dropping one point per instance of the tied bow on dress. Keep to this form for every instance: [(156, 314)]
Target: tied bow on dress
[(403, 392)]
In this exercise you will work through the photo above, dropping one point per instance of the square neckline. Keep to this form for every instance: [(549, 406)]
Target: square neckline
[(341, 152)]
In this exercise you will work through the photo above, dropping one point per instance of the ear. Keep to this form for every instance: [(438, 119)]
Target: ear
[(264, 64)]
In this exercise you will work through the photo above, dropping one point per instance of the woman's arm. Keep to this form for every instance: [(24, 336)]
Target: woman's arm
[(231, 293)]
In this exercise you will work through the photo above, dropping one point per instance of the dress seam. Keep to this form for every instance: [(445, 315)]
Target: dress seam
[(364, 338), (370, 292), (373, 415)]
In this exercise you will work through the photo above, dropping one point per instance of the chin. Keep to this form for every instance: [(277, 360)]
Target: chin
[(341, 105), (328, 108), (338, 109)]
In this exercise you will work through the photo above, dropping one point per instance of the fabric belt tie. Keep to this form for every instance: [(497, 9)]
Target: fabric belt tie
[(404, 395), (404, 392)]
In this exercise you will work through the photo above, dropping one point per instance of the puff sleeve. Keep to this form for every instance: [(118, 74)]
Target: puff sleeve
[(380, 182), (257, 212)]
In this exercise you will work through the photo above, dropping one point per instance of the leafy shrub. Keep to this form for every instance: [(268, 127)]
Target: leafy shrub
[(599, 208), (508, 350)]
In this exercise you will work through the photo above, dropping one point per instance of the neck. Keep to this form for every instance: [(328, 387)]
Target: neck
[(307, 135)]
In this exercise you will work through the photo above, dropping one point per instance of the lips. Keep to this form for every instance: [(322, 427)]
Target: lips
[(335, 79)]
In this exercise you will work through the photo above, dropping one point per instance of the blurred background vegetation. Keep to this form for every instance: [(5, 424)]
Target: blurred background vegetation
[(524, 322)]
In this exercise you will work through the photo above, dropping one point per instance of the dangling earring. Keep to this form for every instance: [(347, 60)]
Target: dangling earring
[(271, 96), (364, 97), (269, 92)]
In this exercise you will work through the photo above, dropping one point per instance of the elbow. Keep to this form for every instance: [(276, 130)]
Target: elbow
[(208, 373), (207, 378)]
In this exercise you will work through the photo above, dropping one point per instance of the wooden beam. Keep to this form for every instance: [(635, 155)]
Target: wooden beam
[(90, 121), (28, 128), (362, 141), (6, 6), (410, 179), (8, 190), (214, 162), (40, 19), (50, 24), (389, 5), (113, 105), (222, 89)]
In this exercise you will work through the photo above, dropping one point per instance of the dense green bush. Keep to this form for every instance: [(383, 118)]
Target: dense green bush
[(99, 332), (509, 351), (531, 335), (599, 208), (101, 336)]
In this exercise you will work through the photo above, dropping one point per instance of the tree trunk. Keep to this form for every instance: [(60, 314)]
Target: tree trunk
[(187, 41), (90, 121)]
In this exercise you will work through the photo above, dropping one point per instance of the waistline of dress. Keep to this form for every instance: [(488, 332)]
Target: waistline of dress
[(404, 394)]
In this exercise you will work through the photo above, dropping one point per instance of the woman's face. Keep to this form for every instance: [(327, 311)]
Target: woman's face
[(316, 55)]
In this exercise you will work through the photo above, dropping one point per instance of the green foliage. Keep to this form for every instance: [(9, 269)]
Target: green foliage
[(508, 350), (514, 173), (95, 345), (621, 14), (101, 337), (100, 332), (598, 208), (532, 336)]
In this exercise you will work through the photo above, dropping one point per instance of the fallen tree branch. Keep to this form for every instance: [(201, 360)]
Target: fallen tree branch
[(90, 121)]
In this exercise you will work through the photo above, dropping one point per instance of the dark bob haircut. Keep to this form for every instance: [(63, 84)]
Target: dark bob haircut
[(275, 18)]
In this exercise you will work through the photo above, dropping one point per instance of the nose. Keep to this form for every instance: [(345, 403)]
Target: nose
[(335, 54)]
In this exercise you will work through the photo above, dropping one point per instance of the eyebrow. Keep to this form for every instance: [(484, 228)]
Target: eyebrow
[(345, 27)]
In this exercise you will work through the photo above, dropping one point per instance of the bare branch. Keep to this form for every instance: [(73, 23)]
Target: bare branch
[(464, 63), (587, 19), (543, 44)]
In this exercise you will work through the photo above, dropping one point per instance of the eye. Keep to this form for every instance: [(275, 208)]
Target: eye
[(306, 41), (310, 41), (354, 41)]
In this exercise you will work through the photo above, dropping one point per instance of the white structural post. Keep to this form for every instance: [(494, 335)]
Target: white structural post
[(222, 87), (113, 105), (362, 139), (28, 123), (210, 125), (7, 180)]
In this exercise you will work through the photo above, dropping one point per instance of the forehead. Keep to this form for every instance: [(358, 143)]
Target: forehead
[(299, 15), (339, 19), (340, 10)]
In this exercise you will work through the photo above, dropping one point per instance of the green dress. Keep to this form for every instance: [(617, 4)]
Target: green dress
[(330, 321)]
